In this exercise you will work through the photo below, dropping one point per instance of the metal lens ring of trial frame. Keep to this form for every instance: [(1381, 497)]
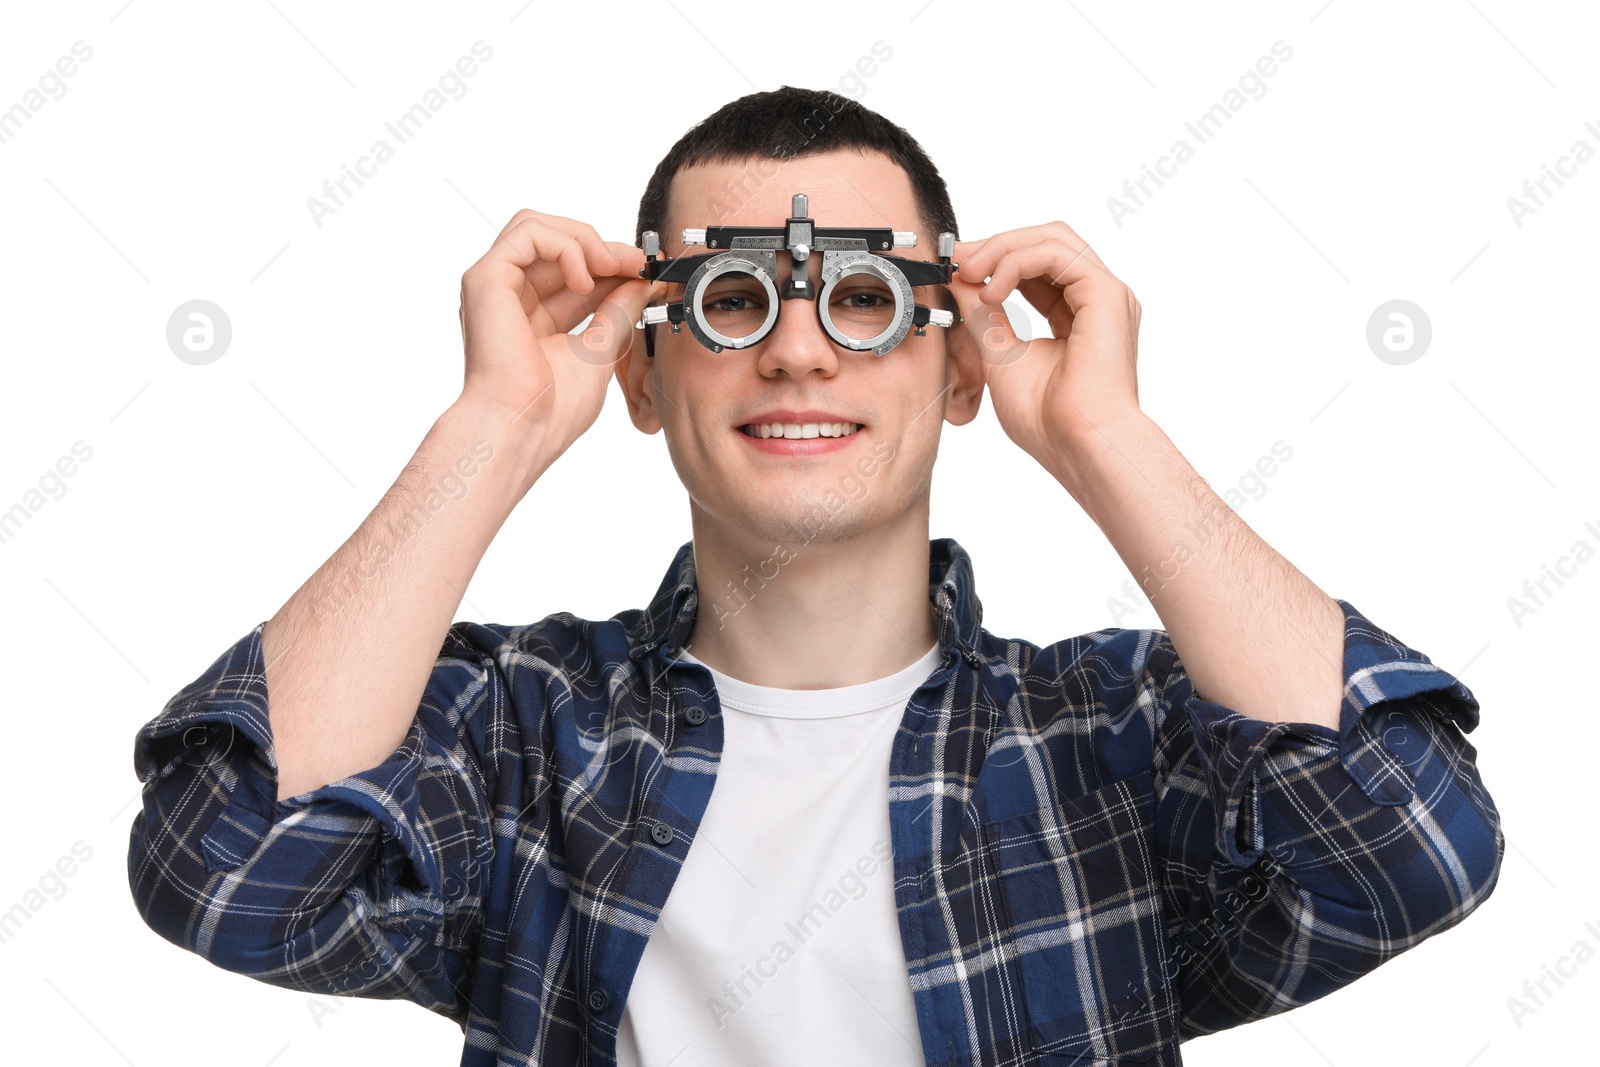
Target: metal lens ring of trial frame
[(753, 250)]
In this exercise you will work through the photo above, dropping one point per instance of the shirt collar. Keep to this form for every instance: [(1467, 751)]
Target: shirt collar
[(671, 614)]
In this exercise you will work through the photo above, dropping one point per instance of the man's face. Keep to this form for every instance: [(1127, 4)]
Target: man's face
[(702, 399)]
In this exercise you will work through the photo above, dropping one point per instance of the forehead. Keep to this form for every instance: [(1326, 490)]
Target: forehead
[(843, 188)]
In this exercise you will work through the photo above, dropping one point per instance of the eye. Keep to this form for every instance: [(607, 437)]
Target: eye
[(733, 294), (864, 299)]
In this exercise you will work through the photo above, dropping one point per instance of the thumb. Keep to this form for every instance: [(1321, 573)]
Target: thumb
[(610, 332), (986, 327)]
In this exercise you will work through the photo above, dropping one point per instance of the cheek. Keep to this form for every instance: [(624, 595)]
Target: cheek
[(690, 389), (923, 380)]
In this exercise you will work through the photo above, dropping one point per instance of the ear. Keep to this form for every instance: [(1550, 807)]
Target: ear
[(963, 372), (637, 370), (636, 373)]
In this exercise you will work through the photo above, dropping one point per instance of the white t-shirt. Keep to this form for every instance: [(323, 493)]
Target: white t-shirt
[(779, 942)]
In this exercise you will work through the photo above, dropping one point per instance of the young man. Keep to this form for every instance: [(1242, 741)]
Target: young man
[(926, 844)]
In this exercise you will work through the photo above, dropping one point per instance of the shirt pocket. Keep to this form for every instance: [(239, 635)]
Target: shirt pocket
[(1083, 910)]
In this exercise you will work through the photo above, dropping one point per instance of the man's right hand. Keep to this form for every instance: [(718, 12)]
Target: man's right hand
[(349, 655), (544, 275)]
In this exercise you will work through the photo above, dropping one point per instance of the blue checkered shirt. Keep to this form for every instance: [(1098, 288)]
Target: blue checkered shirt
[(1091, 862)]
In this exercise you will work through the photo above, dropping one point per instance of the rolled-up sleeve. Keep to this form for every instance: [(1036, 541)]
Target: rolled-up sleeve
[(369, 886), (1295, 859)]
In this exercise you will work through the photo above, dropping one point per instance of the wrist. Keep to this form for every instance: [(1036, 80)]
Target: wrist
[(1102, 452), (517, 431), (514, 451)]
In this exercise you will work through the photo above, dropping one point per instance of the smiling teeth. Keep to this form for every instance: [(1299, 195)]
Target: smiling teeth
[(801, 430)]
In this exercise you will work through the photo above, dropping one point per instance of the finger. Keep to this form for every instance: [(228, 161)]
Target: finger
[(567, 308), (556, 252), (1050, 302), (1050, 259), (985, 327), (525, 213), (964, 250), (1059, 231), (598, 251), (631, 258), (980, 262), (534, 246), (961, 254), (599, 255), (1075, 241), (610, 333)]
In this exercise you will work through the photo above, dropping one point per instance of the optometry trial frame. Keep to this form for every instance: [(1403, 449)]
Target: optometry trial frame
[(855, 266)]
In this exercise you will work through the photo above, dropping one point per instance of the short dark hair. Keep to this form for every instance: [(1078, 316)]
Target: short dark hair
[(789, 122)]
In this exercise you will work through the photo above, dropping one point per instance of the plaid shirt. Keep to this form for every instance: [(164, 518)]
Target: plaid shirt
[(1091, 862)]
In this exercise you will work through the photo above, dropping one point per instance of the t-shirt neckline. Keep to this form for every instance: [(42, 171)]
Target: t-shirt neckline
[(890, 691)]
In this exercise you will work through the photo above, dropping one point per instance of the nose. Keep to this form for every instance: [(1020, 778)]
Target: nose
[(797, 344)]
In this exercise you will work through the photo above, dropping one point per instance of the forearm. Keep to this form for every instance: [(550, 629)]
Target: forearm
[(1255, 634), (349, 654)]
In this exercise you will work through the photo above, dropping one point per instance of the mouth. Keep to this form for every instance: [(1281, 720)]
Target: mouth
[(799, 431)]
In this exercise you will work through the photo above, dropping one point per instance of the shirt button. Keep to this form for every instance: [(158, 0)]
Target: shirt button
[(695, 714), (598, 1000), (661, 833)]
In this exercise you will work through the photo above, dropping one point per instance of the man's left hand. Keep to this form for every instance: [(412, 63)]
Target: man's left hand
[(1052, 391)]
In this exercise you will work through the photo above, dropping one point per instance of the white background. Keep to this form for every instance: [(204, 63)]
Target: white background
[(1377, 165)]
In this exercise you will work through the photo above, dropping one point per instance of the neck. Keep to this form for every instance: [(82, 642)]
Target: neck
[(815, 615)]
